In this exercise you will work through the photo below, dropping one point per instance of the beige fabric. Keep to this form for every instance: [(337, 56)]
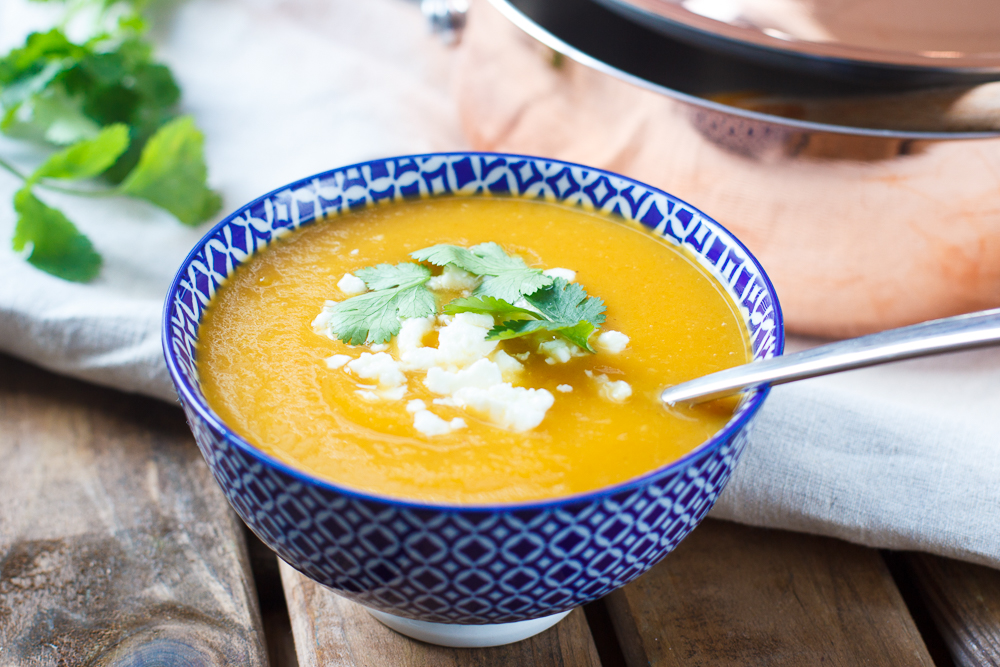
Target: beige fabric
[(855, 236), (905, 456)]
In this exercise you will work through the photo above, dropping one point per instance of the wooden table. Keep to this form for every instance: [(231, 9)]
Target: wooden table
[(117, 548)]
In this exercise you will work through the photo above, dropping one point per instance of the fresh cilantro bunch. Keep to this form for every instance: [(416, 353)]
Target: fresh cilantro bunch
[(400, 291), (112, 110)]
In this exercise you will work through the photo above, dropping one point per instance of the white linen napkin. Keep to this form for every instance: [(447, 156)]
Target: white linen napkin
[(904, 456)]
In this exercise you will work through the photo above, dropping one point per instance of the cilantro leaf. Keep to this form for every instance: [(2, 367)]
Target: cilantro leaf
[(486, 305), (385, 276), (40, 48), (373, 317), (579, 334), (56, 245), (506, 277), (86, 158), (564, 308), (568, 302), (51, 116), (171, 173)]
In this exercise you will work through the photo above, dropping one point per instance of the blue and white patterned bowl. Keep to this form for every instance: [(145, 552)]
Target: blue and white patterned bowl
[(466, 565)]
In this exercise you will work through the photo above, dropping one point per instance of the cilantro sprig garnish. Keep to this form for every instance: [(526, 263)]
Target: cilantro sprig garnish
[(504, 277), (399, 292), (113, 111), (562, 307)]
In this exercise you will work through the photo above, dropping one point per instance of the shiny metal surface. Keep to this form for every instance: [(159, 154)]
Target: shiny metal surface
[(869, 208), (950, 334), (601, 39), (929, 39), (446, 18)]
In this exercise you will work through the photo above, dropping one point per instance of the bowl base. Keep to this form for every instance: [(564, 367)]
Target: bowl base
[(467, 636)]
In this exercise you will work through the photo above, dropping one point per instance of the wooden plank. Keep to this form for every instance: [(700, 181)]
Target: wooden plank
[(334, 632), (116, 545), (963, 601), (273, 609), (735, 595)]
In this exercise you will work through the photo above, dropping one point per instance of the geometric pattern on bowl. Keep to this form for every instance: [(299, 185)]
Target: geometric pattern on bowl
[(448, 563)]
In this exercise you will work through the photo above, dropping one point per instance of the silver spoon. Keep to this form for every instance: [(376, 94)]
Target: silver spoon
[(962, 332)]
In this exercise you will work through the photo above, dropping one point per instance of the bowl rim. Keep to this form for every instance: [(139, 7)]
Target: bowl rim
[(191, 399)]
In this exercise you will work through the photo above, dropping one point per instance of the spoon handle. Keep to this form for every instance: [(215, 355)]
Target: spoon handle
[(950, 334)]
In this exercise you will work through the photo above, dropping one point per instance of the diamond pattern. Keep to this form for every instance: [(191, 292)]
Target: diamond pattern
[(452, 564)]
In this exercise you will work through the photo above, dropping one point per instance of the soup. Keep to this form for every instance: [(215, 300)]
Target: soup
[(439, 412)]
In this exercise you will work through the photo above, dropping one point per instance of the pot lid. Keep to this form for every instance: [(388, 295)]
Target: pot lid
[(949, 36), (903, 107)]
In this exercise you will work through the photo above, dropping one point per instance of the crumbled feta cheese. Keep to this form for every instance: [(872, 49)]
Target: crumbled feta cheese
[(559, 351), (482, 374), (569, 275), (351, 285), (367, 394), (380, 367), (430, 424), (510, 367), (564, 388), (416, 405), (523, 356), (355, 251), (616, 391), (378, 347), (481, 389), (453, 278), (412, 332), (394, 393), (336, 361), (461, 343), (321, 323), (611, 342), (514, 408)]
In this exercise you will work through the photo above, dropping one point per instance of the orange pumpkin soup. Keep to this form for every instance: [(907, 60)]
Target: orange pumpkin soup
[(440, 412)]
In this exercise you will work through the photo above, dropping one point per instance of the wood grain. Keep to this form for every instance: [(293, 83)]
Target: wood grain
[(116, 545), (963, 601), (334, 632), (735, 595)]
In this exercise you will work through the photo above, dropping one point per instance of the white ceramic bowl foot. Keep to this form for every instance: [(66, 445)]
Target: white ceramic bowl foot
[(467, 636)]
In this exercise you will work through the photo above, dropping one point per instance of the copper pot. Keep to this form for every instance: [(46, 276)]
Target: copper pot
[(860, 228)]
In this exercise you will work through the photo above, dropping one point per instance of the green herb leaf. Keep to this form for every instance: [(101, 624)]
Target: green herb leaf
[(385, 276), (564, 308), (373, 317), (63, 93), (171, 173), (51, 116), (486, 305), (40, 49), (87, 158), (56, 245), (506, 277), (568, 302)]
